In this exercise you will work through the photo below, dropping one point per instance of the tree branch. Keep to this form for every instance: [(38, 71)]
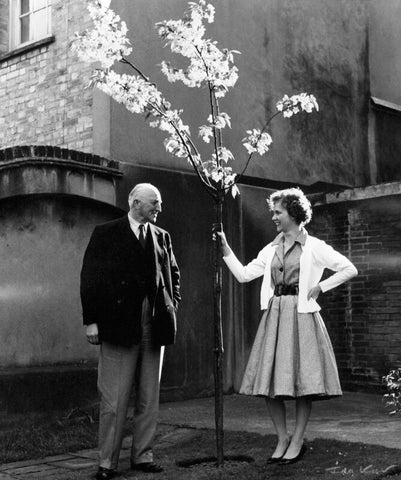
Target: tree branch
[(237, 178), (127, 62)]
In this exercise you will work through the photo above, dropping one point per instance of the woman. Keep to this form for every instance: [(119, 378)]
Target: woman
[(292, 356)]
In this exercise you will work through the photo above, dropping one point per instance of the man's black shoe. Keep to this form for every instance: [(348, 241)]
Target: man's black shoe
[(148, 467), (104, 474)]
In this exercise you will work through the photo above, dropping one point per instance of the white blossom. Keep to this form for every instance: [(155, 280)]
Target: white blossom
[(257, 141), (174, 145), (234, 190), (172, 74), (290, 106), (219, 173), (207, 62), (206, 132), (107, 41), (223, 154), (221, 120), (134, 92)]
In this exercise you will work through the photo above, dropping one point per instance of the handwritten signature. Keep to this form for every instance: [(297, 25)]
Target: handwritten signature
[(368, 470)]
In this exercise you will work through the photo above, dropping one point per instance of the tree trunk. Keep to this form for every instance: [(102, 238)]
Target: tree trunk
[(218, 340)]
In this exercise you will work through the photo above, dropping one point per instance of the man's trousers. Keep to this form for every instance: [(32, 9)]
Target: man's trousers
[(119, 369)]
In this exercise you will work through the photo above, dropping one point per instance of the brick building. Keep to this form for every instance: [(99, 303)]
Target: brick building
[(69, 156), (42, 83)]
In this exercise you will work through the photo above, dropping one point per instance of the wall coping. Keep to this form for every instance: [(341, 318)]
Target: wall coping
[(389, 107), (360, 193), (19, 156), (45, 169)]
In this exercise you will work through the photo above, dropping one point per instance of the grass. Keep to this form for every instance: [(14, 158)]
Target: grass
[(32, 436), (325, 459), (35, 436)]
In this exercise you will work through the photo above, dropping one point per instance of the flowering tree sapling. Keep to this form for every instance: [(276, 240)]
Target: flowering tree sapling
[(207, 65), (392, 399), (107, 43)]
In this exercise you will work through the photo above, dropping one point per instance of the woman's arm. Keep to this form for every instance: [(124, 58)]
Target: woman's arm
[(330, 258), (224, 246), (242, 273)]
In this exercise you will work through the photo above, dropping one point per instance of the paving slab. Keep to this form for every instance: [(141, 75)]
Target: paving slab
[(77, 463), (31, 469), (88, 453), (57, 458), (22, 463)]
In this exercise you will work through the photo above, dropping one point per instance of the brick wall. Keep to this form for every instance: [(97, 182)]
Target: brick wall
[(364, 316), (41, 89)]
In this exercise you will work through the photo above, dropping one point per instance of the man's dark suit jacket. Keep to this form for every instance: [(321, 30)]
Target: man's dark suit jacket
[(117, 274)]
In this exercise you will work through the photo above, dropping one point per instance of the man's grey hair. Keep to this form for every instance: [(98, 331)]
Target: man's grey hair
[(137, 192)]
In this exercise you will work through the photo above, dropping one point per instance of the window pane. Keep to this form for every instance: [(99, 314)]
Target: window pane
[(38, 4), (24, 29), (39, 24), (24, 6)]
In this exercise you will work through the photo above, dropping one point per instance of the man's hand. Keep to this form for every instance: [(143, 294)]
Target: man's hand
[(314, 292), (92, 334)]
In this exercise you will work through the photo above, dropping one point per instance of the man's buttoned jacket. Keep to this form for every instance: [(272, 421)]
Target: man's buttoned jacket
[(117, 274)]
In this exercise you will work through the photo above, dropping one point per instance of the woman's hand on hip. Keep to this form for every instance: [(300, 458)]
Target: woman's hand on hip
[(314, 292)]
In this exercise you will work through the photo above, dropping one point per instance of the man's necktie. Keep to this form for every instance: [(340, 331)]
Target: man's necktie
[(141, 238)]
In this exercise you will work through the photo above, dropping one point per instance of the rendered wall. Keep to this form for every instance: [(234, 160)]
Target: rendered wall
[(385, 74), (42, 239), (384, 50), (287, 47)]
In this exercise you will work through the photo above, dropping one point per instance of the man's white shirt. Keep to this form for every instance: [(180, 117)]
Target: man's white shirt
[(135, 226)]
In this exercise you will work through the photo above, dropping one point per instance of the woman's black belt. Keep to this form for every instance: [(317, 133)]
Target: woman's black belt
[(283, 289)]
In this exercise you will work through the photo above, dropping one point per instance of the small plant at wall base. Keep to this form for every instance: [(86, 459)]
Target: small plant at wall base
[(392, 399), (107, 43)]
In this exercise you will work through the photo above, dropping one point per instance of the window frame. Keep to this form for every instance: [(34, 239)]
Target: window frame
[(15, 24)]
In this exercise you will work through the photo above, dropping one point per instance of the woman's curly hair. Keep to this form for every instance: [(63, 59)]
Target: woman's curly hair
[(295, 202)]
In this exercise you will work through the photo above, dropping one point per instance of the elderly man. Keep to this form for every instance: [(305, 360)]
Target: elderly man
[(130, 286)]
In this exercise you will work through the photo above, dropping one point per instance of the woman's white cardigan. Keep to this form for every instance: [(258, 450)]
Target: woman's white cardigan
[(316, 256)]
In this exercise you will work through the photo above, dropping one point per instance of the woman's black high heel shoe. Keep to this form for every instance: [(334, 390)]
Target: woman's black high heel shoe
[(288, 461), (271, 460)]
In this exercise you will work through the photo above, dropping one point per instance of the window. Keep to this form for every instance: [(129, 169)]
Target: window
[(30, 21)]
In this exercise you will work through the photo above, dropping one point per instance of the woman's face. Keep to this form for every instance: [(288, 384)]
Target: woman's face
[(284, 222)]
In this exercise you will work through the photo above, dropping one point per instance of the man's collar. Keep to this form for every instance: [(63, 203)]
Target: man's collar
[(135, 224), (300, 238)]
